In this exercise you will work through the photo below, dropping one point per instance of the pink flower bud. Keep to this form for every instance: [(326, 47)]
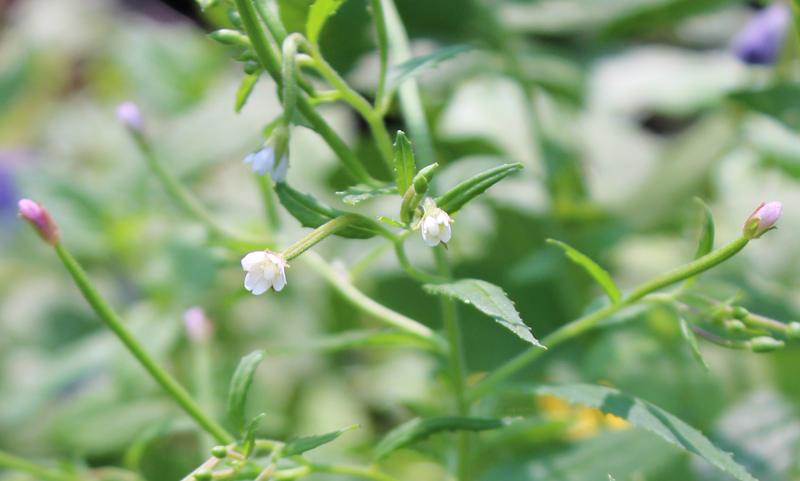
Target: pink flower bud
[(128, 114), (762, 219), (40, 219), (198, 327)]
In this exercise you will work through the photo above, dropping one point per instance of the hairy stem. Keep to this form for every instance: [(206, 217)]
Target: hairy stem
[(113, 321)]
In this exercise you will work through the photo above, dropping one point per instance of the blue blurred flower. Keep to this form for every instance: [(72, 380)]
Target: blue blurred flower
[(8, 191), (761, 40), (263, 161)]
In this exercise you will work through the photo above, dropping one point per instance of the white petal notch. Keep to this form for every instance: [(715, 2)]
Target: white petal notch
[(265, 270)]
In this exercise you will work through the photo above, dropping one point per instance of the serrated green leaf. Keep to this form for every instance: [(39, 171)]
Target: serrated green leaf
[(312, 213), (301, 445), (249, 442), (691, 340), (355, 194), (706, 239), (643, 415), (240, 384), (404, 166), (421, 428), (317, 15), (598, 273), (489, 299), (415, 66), (458, 196), (245, 88)]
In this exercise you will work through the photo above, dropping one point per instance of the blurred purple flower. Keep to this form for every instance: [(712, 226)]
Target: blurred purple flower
[(761, 40), (129, 115), (8, 190)]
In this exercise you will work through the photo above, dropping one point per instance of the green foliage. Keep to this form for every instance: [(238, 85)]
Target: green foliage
[(245, 88), (240, 384), (457, 197), (404, 167), (415, 66), (598, 273), (301, 445), (312, 213), (421, 428), (691, 341), (317, 15), (489, 299)]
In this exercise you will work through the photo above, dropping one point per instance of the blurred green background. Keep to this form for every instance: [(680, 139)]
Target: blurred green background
[(621, 111)]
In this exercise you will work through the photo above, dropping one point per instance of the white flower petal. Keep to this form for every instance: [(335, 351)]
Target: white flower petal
[(252, 278), (431, 225), (445, 234), (281, 169), (253, 258), (429, 239), (279, 282), (262, 287), (443, 218)]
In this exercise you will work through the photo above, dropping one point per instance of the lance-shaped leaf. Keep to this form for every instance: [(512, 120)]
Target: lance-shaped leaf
[(249, 442), (415, 66), (706, 239), (312, 213), (404, 167), (421, 428), (245, 88), (489, 299), (317, 16), (691, 340), (240, 384), (301, 445), (458, 196), (598, 273), (643, 415), (355, 194)]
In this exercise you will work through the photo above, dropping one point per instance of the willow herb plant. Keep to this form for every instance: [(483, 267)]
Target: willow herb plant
[(304, 79)]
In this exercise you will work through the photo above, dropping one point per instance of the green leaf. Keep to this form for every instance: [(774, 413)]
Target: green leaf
[(356, 339), (691, 340), (643, 415), (489, 299), (301, 445), (598, 273), (781, 101), (458, 196), (240, 384), (706, 239), (415, 66), (404, 167), (249, 442), (355, 194), (421, 428), (392, 222), (245, 88), (317, 15), (312, 213)]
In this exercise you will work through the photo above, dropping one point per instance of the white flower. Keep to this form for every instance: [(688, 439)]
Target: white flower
[(265, 269), (435, 227)]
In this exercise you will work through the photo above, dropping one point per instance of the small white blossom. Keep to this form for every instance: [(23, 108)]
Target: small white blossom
[(435, 224), (265, 269)]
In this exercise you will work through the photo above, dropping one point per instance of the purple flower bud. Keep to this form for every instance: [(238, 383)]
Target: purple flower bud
[(762, 219), (761, 40), (40, 219), (198, 327), (128, 114)]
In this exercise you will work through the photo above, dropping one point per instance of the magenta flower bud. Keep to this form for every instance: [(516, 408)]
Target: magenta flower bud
[(198, 327), (40, 219), (762, 220), (128, 114), (761, 40)]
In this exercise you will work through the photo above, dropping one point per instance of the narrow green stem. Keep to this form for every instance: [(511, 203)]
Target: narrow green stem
[(268, 195), (361, 301), (329, 228), (13, 462), (410, 100), (271, 20), (458, 371), (412, 271), (383, 50), (755, 320), (585, 323), (362, 264), (113, 321), (185, 199), (359, 103), (272, 64), (202, 376)]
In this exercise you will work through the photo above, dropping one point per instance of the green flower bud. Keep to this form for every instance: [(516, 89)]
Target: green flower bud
[(203, 474), (793, 331), (219, 452), (235, 18), (420, 184), (740, 312), (765, 344), (735, 326), (251, 68), (226, 36)]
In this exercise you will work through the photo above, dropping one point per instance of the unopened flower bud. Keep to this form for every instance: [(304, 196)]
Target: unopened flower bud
[(40, 219), (740, 313), (203, 474), (128, 115), (735, 326), (761, 40), (793, 331), (762, 220), (765, 344), (219, 452), (420, 185), (198, 328), (227, 36)]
